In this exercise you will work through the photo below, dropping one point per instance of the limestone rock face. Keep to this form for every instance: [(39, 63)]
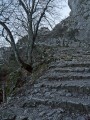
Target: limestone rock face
[(59, 87), (80, 15)]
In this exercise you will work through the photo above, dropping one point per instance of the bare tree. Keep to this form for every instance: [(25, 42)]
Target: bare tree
[(28, 13)]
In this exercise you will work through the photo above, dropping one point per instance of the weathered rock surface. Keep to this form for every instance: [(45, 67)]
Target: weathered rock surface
[(75, 30), (80, 13), (62, 92)]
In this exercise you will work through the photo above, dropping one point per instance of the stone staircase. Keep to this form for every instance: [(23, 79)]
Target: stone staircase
[(71, 85), (61, 93)]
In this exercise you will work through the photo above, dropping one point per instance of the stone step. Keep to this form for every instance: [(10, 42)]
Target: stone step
[(69, 64), (67, 76), (75, 86), (80, 83), (68, 103), (70, 69)]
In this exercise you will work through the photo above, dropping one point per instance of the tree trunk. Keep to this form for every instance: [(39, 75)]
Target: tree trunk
[(4, 92), (30, 40), (26, 66)]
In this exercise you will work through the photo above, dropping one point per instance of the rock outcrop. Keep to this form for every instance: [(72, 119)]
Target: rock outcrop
[(75, 30), (80, 14), (62, 90)]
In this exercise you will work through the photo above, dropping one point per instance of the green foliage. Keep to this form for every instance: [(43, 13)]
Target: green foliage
[(3, 68), (39, 70), (12, 76), (12, 80)]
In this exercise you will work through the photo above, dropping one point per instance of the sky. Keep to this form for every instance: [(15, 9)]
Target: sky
[(64, 12)]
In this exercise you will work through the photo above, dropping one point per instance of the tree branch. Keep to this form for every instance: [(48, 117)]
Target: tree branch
[(23, 5), (38, 22)]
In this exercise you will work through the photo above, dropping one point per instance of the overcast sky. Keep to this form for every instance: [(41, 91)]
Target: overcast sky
[(64, 12)]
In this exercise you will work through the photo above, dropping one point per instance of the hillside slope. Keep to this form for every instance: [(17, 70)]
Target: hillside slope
[(59, 88), (60, 93)]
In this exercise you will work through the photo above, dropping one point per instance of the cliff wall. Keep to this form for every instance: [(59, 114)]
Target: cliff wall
[(80, 14)]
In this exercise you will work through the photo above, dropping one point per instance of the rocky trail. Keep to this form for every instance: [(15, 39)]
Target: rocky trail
[(61, 93)]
